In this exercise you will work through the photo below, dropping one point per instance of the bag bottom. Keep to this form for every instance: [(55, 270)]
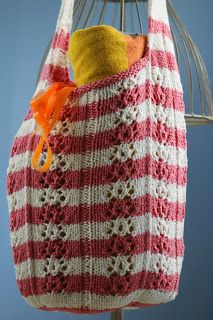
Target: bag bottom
[(58, 303)]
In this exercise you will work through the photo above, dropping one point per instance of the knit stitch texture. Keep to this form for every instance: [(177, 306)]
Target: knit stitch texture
[(103, 228)]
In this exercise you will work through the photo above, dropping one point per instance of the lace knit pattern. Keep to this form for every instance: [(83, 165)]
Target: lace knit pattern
[(103, 228)]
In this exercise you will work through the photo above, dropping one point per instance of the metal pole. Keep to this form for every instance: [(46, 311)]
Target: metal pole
[(122, 16), (117, 315)]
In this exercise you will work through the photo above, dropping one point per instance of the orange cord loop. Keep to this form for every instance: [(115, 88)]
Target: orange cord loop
[(46, 107)]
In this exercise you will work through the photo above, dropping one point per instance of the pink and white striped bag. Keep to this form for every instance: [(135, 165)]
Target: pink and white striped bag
[(102, 229)]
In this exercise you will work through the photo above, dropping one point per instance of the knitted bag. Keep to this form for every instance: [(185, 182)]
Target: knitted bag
[(103, 227)]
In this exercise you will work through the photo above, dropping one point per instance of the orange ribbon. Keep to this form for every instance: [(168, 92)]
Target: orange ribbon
[(46, 107)]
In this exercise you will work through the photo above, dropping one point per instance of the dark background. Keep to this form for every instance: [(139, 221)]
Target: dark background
[(26, 27)]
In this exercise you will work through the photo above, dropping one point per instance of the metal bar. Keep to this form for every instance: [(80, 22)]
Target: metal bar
[(139, 17), (207, 86), (173, 16), (117, 315), (200, 71), (131, 18), (197, 120), (102, 13), (94, 13), (176, 48), (76, 6), (90, 11), (115, 14), (79, 18), (122, 14)]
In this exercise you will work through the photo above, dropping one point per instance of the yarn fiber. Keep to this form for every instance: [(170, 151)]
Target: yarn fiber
[(103, 228), (101, 51)]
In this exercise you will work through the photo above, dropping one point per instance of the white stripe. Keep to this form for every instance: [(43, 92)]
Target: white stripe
[(42, 85), (27, 127), (99, 302), (159, 41), (98, 194), (171, 155), (169, 79), (57, 57), (135, 225), (156, 262), (65, 17), (172, 118), (158, 10)]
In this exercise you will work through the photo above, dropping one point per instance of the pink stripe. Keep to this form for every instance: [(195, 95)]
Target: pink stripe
[(156, 26), (164, 59), (61, 40), (53, 73), (82, 310), (102, 248), (106, 139), (122, 171), (113, 104), (169, 98), (99, 285), (100, 212), (28, 115)]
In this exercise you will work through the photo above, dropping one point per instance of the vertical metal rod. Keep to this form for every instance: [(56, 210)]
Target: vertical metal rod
[(76, 6), (207, 86), (102, 13), (117, 315), (122, 14), (139, 17), (81, 14), (198, 66), (94, 13), (176, 48), (115, 14), (178, 28), (131, 17), (88, 16)]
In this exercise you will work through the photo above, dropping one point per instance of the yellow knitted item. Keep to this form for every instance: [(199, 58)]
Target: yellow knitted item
[(97, 52), (101, 51)]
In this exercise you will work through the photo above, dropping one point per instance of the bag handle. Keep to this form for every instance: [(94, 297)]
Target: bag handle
[(55, 66), (157, 10)]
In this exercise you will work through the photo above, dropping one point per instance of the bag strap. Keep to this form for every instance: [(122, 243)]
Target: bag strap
[(159, 27), (157, 10), (56, 64)]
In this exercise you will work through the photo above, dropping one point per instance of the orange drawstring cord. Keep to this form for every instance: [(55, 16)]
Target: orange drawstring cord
[(46, 107)]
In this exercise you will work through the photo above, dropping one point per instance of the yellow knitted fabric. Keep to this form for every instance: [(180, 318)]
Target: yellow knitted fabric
[(97, 52)]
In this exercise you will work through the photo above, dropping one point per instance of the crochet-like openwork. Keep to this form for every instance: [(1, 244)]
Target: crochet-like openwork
[(103, 228)]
